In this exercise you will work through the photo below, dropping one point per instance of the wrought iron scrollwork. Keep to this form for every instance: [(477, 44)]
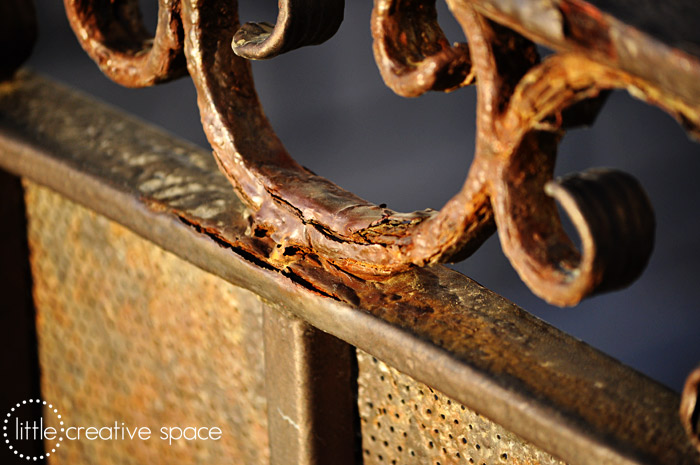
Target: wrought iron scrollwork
[(413, 53), (113, 34), (299, 23), (524, 106)]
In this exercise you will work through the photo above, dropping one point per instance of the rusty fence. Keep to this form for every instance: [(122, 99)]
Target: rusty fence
[(308, 325)]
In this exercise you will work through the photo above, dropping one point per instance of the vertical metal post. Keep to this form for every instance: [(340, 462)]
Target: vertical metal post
[(311, 392)]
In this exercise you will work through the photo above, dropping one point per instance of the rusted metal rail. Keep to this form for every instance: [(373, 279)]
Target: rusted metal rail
[(431, 323), (366, 275)]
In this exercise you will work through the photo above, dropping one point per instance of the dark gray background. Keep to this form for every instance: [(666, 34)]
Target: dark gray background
[(335, 115)]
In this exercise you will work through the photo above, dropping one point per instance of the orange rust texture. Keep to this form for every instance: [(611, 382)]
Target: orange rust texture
[(412, 52), (407, 422), (131, 333)]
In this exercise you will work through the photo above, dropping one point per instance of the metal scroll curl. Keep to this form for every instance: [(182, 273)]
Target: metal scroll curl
[(412, 52), (299, 23), (113, 34), (524, 106), (610, 210)]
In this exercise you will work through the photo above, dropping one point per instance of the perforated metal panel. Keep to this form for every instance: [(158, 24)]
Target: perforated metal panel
[(406, 422), (130, 333)]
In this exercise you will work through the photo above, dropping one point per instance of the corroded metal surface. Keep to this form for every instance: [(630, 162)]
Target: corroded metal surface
[(113, 34), (407, 422), (299, 23), (431, 323), (413, 53), (131, 333), (524, 107), (650, 69)]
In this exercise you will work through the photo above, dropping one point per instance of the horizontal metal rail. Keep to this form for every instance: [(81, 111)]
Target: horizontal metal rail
[(431, 323)]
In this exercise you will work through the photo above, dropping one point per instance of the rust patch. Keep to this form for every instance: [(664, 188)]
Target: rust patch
[(129, 332), (413, 53), (313, 22), (113, 34)]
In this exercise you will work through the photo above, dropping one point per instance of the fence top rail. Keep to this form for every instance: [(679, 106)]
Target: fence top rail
[(431, 323)]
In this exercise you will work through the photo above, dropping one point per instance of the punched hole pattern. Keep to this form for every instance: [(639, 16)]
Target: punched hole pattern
[(407, 422)]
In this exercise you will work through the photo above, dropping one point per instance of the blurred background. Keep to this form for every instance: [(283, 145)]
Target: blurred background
[(332, 110)]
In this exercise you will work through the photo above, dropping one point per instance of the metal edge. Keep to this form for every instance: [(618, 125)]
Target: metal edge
[(310, 393)]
